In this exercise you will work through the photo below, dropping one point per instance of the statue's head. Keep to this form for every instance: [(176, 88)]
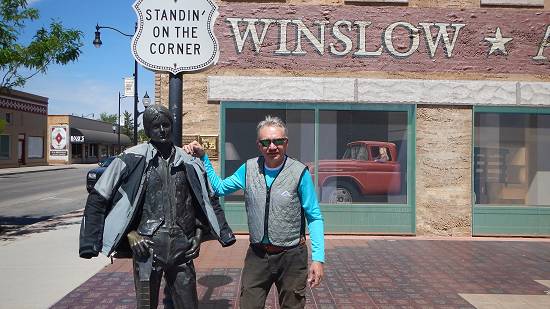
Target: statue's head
[(157, 123)]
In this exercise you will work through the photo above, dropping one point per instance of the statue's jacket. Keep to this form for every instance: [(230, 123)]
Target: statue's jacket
[(113, 206)]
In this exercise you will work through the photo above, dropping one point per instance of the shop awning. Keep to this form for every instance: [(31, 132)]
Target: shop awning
[(84, 136)]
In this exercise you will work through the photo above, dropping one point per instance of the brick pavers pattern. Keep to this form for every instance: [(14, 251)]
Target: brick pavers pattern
[(379, 273)]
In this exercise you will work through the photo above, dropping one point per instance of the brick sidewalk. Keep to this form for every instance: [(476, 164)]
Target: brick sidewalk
[(362, 273)]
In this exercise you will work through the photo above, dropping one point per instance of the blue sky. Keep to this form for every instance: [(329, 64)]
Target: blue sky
[(91, 84)]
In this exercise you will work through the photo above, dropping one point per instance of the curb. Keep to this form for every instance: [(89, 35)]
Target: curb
[(36, 171)]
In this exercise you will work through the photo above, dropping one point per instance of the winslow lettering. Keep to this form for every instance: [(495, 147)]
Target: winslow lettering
[(342, 42)]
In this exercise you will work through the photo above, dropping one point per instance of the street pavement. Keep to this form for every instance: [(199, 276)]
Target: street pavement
[(41, 269)]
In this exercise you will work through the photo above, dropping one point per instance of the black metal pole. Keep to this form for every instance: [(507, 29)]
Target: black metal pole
[(136, 113), (118, 129), (175, 105)]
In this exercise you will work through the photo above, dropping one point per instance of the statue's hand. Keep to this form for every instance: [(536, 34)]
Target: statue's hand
[(139, 244), (194, 251)]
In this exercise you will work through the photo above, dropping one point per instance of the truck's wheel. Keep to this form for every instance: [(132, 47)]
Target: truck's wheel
[(340, 193)]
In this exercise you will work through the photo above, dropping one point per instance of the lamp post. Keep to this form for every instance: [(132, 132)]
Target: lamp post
[(97, 43), (118, 137)]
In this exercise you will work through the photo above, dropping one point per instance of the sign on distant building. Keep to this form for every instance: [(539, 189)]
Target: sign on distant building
[(128, 86), (59, 150), (175, 35)]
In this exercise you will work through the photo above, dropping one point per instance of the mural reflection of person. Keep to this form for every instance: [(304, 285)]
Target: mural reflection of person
[(382, 155), (279, 197), (156, 197)]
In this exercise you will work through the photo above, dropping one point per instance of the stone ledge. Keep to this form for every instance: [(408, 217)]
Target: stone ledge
[(283, 89), (392, 91), (515, 3)]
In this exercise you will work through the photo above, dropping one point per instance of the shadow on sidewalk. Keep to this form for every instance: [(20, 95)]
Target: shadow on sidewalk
[(14, 227), (211, 282)]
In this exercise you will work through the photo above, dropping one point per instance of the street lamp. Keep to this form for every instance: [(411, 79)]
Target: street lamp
[(97, 43)]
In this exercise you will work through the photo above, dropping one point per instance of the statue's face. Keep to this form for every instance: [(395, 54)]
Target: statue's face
[(160, 130)]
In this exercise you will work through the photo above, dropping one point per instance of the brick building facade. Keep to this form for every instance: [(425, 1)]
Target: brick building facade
[(462, 87)]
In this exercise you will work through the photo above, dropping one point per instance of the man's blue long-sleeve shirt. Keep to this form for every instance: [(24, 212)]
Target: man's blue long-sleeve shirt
[(306, 191)]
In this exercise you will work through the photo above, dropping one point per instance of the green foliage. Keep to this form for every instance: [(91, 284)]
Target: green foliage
[(141, 136), (52, 45), (110, 118), (128, 127)]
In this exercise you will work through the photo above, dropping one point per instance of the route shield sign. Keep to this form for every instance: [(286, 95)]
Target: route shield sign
[(175, 35)]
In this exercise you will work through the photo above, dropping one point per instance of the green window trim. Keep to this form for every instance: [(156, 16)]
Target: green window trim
[(385, 212)]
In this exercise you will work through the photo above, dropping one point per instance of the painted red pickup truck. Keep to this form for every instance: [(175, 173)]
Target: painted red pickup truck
[(366, 168)]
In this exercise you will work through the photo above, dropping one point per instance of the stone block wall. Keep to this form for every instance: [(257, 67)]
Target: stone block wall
[(443, 170)]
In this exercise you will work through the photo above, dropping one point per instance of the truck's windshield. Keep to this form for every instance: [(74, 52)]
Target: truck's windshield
[(356, 152)]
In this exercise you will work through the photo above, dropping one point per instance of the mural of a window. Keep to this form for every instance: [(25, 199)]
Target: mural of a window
[(361, 154), (362, 157), (241, 135), (511, 159)]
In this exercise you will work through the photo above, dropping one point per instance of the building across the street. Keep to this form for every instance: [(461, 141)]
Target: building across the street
[(23, 118), (415, 117), (73, 139)]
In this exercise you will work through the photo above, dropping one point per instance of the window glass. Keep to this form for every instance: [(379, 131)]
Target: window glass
[(241, 135), (511, 161), (36, 147), (4, 146), (76, 151), (362, 157)]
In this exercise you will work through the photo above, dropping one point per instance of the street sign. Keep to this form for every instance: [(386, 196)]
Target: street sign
[(175, 35)]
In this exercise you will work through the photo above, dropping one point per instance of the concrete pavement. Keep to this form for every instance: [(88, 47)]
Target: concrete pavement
[(41, 269), (40, 263)]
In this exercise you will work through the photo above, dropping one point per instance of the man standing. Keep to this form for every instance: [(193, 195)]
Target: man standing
[(156, 197), (279, 196)]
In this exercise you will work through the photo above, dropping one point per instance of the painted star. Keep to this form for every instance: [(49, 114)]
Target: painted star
[(498, 42)]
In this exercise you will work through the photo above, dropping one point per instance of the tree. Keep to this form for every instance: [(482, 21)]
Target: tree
[(52, 45), (142, 137), (110, 118), (128, 127)]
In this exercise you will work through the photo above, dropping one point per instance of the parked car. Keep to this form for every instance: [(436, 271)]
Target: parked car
[(94, 174), (366, 168)]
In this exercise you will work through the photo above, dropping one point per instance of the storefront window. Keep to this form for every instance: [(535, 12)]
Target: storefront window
[(4, 146), (362, 157), (240, 137), (36, 147), (92, 150), (76, 151), (511, 161)]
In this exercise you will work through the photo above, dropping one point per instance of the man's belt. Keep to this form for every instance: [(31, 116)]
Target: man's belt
[(272, 249)]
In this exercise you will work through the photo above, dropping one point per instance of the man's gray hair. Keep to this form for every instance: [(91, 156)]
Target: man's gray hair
[(271, 121)]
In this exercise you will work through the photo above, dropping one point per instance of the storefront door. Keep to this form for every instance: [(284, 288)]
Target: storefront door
[(21, 149)]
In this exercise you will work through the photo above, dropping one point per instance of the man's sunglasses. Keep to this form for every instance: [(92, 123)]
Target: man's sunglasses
[(276, 141)]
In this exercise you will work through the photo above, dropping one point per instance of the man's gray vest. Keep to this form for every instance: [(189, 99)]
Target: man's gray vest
[(275, 212)]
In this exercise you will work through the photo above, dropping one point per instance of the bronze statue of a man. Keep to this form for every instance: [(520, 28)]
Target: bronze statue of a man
[(155, 200)]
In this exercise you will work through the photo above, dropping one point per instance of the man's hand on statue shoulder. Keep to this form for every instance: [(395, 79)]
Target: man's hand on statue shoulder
[(139, 244), (194, 148)]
